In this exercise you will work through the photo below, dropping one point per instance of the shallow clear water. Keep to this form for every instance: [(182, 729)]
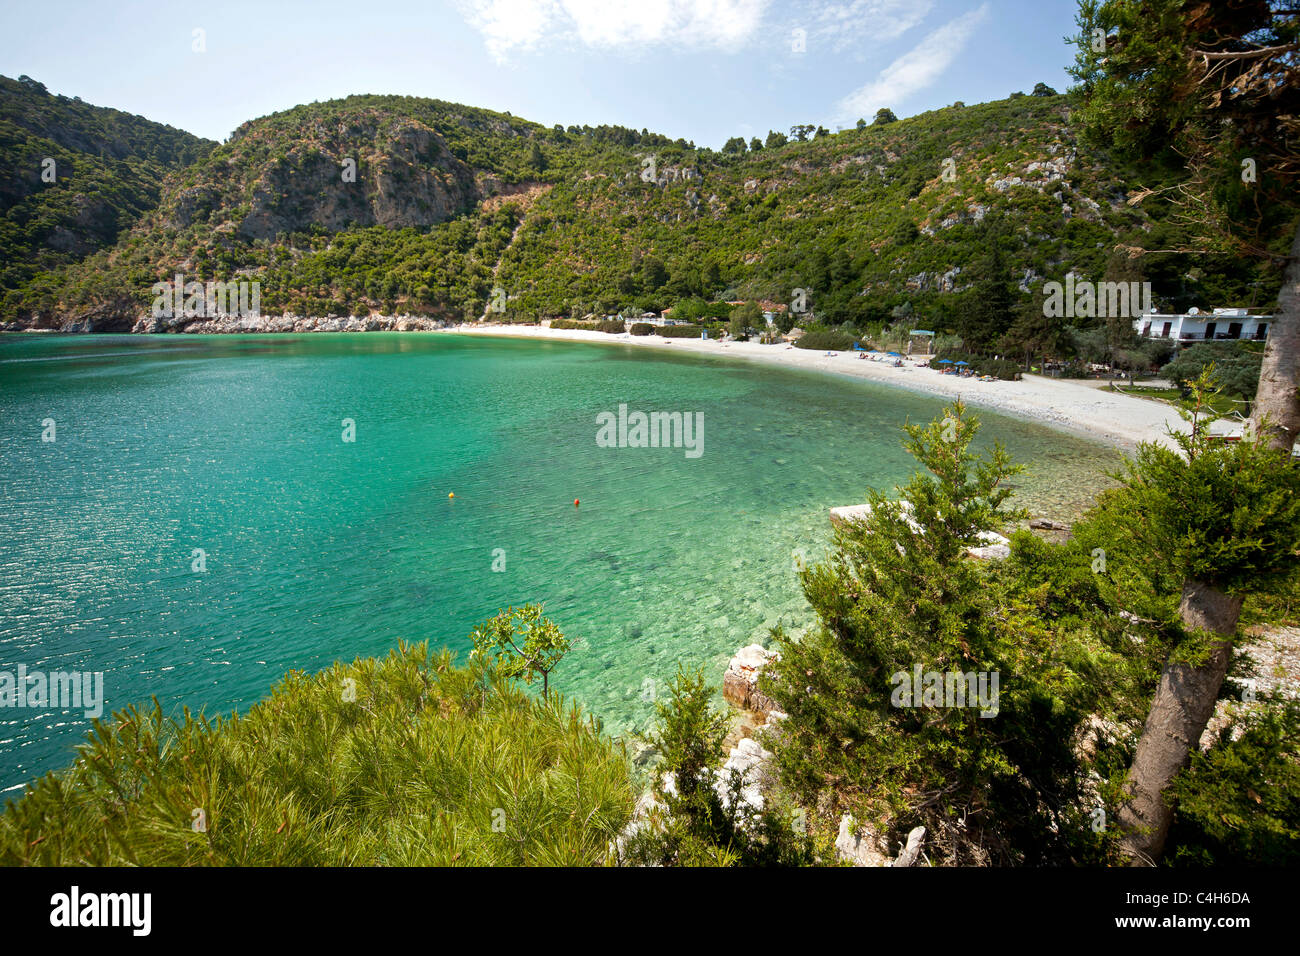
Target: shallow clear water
[(319, 550)]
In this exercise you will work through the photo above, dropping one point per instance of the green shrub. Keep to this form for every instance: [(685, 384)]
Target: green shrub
[(574, 324), (1239, 803), (1236, 368), (641, 328), (825, 340), (404, 761), (703, 819), (613, 326), (680, 331), (897, 596), (1006, 369), (1282, 607)]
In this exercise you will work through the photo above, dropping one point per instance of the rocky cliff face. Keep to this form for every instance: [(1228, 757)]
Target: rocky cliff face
[(352, 171)]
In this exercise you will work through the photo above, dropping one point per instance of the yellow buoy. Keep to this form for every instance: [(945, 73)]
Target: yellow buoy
[(451, 494)]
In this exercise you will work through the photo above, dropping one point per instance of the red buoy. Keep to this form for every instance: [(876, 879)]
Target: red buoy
[(575, 502)]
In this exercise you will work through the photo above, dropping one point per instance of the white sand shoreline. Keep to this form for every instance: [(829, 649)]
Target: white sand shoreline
[(1104, 416)]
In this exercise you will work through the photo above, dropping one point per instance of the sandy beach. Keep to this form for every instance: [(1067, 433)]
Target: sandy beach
[(1083, 409)]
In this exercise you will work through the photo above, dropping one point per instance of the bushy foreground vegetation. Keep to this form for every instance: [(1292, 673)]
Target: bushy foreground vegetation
[(898, 594), (1239, 802), (1080, 635), (700, 816), (405, 761)]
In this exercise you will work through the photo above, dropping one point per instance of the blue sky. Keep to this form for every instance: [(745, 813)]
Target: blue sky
[(699, 69)]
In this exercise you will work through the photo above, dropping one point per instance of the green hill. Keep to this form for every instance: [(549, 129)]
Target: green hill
[(449, 202), (74, 176)]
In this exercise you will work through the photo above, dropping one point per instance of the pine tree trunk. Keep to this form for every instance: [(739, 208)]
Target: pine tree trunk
[(1183, 705), (1277, 398)]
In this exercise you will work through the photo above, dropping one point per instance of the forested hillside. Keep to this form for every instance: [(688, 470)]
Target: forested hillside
[(952, 219), (74, 176)]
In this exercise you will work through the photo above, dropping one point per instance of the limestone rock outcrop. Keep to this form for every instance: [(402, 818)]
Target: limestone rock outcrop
[(988, 545), (740, 682)]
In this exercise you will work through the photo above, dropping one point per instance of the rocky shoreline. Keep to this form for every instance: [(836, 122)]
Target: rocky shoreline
[(230, 324)]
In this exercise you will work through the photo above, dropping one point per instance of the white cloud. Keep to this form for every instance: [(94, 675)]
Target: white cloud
[(510, 25), (914, 70), (841, 24)]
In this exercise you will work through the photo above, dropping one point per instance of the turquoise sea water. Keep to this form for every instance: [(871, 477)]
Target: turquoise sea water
[(319, 549)]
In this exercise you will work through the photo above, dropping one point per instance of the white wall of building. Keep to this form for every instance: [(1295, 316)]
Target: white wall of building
[(1218, 325)]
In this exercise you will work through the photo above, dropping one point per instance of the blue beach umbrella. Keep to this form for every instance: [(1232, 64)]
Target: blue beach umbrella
[(961, 363), (944, 362)]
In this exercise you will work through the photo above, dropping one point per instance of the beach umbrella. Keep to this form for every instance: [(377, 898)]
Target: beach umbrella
[(898, 354), (944, 362), (961, 363)]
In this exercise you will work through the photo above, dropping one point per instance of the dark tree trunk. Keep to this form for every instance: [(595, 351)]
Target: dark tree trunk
[(1183, 705), (1277, 398)]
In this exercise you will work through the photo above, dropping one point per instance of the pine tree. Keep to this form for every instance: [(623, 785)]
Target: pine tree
[(990, 305), (1225, 519), (896, 596)]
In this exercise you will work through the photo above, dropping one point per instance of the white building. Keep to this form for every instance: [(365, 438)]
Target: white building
[(1197, 326), (649, 318)]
